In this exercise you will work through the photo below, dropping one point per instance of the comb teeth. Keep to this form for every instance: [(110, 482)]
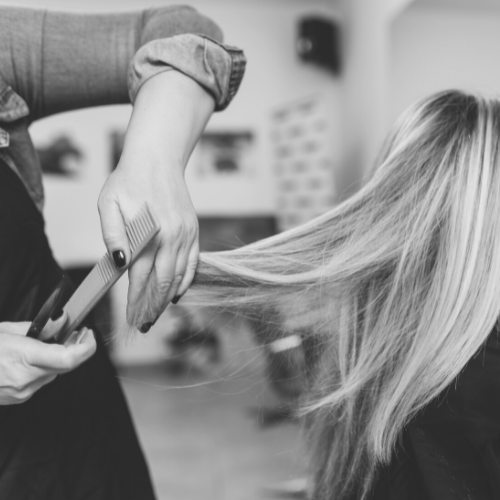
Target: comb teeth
[(139, 228), (105, 268)]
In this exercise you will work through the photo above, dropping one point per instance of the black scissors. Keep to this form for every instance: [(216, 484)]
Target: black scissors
[(56, 301)]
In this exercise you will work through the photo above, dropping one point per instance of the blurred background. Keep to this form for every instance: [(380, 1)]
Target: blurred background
[(324, 82)]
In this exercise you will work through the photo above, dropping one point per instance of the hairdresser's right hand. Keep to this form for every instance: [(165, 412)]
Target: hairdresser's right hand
[(27, 364)]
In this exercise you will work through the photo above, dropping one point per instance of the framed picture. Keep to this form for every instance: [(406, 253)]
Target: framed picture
[(216, 154), (225, 154), (60, 157)]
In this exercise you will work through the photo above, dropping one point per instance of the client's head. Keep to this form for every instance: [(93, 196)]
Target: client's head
[(396, 288)]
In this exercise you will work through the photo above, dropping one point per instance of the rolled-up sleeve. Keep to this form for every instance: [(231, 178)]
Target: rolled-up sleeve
[(218, 68), (58, 61)]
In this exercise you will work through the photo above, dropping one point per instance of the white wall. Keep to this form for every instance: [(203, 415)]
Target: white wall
[(439, 48), (266, 31), (365, 94), (430, 48)]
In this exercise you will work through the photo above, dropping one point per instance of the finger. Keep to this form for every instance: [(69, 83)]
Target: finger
[(113, 232), (191, 266), (170, 267), (158, 286), (54, 326), (187, 261), (56, 358), (74, 337), (139, 275), (184, 251), (18, 328), (77, 337)]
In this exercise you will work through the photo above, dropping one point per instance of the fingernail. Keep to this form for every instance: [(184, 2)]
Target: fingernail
[(119, 258), (145, 327), (57, 314), (176, 299)]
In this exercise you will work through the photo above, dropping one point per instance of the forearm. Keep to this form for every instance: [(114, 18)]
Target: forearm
[(170, 113)]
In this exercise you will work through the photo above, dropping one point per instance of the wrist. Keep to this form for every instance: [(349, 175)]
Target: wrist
[(151, 162)]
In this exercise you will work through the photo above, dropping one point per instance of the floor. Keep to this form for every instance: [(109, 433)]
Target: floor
[(201, 435)]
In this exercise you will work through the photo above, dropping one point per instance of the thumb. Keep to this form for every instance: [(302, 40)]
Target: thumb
[(113, 232), (62, 358)]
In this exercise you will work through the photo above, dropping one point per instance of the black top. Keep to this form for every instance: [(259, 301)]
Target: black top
[(74, 438), (451, 450)]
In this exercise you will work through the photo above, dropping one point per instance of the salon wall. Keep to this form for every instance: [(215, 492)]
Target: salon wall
[(440, 47), (266, 30), (433, 45)]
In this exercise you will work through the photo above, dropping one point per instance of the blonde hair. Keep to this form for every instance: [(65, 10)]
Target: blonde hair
[(395, 289)]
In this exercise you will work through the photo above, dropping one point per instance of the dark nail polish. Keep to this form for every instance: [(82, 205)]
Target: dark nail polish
[(57, 314), (119, 258), (176, 299), (145, 327)]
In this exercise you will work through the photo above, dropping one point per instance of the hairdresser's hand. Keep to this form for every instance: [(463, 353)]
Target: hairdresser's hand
[(26, 364), (169, 115)]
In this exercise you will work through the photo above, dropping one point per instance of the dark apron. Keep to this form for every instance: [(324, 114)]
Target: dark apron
[(74, 439)]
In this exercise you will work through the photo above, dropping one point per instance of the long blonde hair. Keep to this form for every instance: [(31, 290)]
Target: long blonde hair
[(396, 288)]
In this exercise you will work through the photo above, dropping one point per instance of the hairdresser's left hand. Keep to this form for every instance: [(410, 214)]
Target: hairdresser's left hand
[(170, 113)]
